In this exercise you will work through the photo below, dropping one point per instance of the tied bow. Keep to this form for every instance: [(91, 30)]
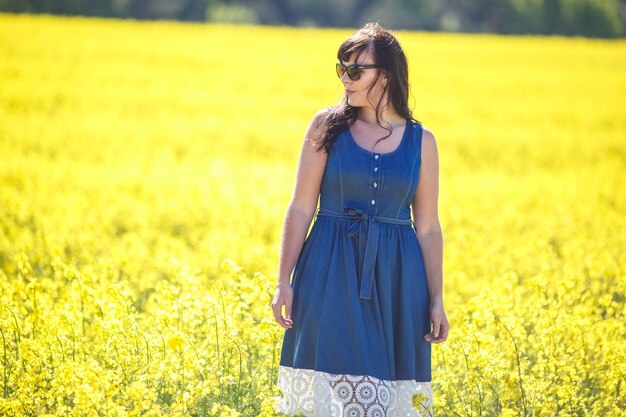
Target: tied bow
[(366, 229)]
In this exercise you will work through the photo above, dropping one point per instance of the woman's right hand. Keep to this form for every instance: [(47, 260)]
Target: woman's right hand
[(283, 295)]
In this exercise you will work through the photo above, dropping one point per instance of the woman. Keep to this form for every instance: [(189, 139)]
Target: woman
[(367, 283)]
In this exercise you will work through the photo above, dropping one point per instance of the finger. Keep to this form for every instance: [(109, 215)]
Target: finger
[(285, 320), (277, 316), (288, 309), (442, 337), (445, 330), (437, 325), (276, 307)]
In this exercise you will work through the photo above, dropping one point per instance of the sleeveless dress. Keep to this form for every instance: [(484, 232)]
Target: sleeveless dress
[(360, 305)]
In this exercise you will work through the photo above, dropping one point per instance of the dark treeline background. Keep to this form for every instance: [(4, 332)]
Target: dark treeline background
[(594, 18)]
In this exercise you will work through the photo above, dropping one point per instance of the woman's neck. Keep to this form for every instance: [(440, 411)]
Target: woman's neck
[(368, 116)]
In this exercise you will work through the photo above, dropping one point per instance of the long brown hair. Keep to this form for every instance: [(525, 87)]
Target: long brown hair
[(389, 56)]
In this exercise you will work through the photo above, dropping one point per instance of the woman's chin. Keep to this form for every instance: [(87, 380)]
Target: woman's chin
[(353, 103)]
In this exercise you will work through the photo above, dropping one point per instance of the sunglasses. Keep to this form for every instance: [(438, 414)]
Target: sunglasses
[(354, 70)]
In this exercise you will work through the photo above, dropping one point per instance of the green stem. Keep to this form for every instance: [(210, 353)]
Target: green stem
[(519, 367), (5, 363)]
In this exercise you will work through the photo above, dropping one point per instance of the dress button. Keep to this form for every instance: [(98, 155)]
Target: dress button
[(375, 156), (373, 201), (375, 169), (375, 185)]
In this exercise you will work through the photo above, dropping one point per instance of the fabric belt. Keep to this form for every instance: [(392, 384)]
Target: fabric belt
[(365, 228)]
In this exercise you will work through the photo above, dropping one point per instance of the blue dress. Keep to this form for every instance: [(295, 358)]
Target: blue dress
[(360, 308)]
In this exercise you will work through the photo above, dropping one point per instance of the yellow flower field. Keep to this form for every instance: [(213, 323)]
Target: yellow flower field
[(146, 167)]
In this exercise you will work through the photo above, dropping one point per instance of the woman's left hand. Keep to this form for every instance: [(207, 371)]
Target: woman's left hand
[(439, 322)]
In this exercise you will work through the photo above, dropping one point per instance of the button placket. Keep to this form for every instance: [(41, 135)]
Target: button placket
[(374, 181)]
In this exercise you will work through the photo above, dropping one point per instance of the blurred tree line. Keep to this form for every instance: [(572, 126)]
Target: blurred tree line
[(593, 18)]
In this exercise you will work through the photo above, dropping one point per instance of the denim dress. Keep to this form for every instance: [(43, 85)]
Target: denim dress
[(360, 308)]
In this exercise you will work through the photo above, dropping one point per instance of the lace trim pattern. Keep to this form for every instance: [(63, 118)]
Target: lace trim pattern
[(321, 394)]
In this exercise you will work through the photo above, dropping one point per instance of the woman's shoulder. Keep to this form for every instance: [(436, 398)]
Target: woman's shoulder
[(317, 126), (428, 136), (428, 143), (426, 133), (321, 115)]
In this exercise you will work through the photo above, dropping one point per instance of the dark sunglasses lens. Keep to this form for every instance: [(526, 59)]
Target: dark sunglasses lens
[(354, 72), (340, 70)]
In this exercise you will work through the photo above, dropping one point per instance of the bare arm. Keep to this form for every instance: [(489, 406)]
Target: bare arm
[(429, 235), (426, 217), (298, 217), (302, 206)]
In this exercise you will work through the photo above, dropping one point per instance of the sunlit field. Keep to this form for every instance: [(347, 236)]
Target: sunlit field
[(145, 169)]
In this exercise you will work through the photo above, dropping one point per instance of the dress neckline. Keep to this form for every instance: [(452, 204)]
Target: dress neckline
[(402, 140)]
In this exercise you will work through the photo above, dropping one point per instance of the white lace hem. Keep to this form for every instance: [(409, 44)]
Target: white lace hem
[(321, 394)]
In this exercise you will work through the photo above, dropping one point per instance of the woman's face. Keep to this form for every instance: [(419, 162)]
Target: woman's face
[(357, 91)]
